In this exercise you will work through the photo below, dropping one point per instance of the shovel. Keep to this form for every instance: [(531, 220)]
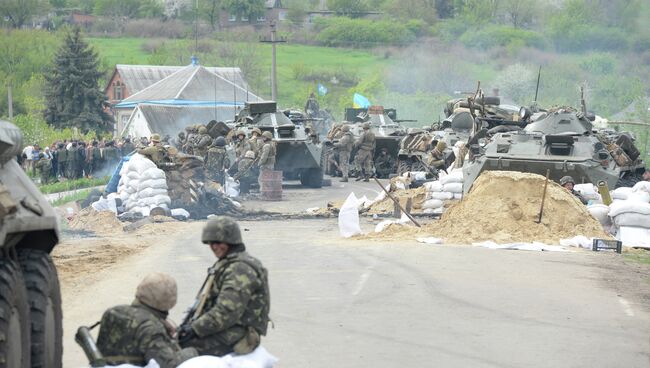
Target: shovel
[(541, 210)]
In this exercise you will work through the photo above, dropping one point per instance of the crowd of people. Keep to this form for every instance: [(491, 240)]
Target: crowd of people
[(74, 159)]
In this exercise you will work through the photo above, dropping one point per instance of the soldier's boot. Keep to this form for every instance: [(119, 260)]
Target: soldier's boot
[(366, 178), (359, 176), (344, 179)]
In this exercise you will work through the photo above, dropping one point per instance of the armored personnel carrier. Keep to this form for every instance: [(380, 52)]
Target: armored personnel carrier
[(560, 140), (298, 157), (30, 298)]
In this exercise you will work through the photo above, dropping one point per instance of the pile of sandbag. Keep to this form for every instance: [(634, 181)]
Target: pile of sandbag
[(142, 186), (630, 214), (589, 192), (448, 187)]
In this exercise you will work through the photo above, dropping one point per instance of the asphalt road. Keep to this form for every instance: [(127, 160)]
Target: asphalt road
[(355, 303)]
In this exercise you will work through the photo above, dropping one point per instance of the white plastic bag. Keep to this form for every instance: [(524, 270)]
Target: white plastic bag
[(621, 193), (232, 187), (259, 358), (639, 196), (105, 204), (454, 187), (349, 217)]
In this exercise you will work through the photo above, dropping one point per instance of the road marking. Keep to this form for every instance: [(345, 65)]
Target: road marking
[(362, 281), (626, 307)]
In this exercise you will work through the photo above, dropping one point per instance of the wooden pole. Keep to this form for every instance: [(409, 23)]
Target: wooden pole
[(541, 209), (398, 204)]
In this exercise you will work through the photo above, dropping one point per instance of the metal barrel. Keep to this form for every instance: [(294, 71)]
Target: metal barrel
[(271, 185)]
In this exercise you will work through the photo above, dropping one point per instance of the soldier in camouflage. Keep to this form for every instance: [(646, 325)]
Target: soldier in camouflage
[(203, 142), (344, 146), (236, 312), (246, 174), (256, 141), (137, 333), (242, 145), (44, 168), (155, 152), (363, 159), (217, 161)]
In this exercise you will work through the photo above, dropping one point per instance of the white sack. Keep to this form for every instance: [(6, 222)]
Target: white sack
[(619, 207), (429, 240), (588, 191), (151, 192), (259, 358), (433, 186), (133, 175), (579, 241), (458, 196), (639, 197), (621, 193), (632, 219), (599, 212), (349, 217), (180, 212), (432, 203), (443, 196), (456, 187), (642, 186), (634, 236), (232, 187), (152, 364), (105, 204), (152, 173), (384, 224), (140, 163), (152, 183), (456, 176), (419, 175)]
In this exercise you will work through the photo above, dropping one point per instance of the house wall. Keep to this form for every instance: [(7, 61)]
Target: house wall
[(121, 119), (116, 90)]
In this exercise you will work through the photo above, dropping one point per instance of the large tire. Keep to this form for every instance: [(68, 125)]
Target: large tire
[(44, 296), (14, 319)]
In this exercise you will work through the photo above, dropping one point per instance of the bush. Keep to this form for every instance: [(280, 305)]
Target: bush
[(642, 43), (587, 37), (346, 78), (449, 30), (598, 64), (495, 36), (362, 32)]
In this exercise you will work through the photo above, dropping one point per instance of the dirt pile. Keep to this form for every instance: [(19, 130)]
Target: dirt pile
[(503, 206), (386, 205), (102, 222)]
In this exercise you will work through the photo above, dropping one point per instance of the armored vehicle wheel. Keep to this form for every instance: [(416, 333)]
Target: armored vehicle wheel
[(14, 319), (403, 166), (44, 296)]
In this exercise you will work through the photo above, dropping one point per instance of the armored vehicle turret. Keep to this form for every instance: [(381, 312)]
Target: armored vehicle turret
[(30, 299)]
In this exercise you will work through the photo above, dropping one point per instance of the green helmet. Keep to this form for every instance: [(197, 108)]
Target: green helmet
[(220, 141), (203, 130), (257, 130), (157, 290), (366, 126), (567, 179), (222, 229), (267, 135)]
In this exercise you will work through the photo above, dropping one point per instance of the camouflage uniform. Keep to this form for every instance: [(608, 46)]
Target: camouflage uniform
[(344, 146), (363, 159), (241, 147), (216, 163), (63, 162), (203, 142), (156, 153), (245, 174), (267, 156), (384, 165), (137, 333), (44, 166), (237, 305)]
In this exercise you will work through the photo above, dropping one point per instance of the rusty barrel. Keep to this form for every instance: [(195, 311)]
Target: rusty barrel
[(271, 185)]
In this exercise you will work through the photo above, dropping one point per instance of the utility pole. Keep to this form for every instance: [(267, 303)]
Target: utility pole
[(10, 101), (274, 75)]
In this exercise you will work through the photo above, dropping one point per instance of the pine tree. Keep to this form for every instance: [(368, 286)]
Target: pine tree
[(72, 91)]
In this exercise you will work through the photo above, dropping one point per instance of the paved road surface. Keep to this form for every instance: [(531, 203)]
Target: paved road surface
[(350, 303)]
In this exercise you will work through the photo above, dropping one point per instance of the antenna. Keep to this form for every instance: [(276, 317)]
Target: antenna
[(234, 92), (196, 27), (583, 104), (539, 73)]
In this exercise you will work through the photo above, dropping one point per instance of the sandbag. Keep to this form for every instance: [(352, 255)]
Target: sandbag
[(140, 164), (453, 187), (456, 176), (634, 236), (151, 192), (588, 191), (599, 212), (443, 196), (433, 186), (458, 196), (232, 187), (152, 173), (621, 193), (432, 203), (134, 175), (639, 196), (632, 219), (642, 186), (620, 207), (152, 183), (349, 217)]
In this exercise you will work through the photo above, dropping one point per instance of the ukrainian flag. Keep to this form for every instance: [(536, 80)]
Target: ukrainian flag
[(360, 101)]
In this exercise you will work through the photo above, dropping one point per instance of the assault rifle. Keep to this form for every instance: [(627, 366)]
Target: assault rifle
[(201, 298)]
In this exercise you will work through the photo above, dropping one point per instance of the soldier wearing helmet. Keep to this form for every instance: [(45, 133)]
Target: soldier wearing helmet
[(568, 183), (246, 173), (344, 146), (242, 145), (267, 154), (137, 333), (236, 312), (203, 142), (366, 151), (256, 142), (216, 161)]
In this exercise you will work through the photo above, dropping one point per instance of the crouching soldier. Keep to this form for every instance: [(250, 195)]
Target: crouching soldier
[(246, 174), (137, 333), (235, 300)]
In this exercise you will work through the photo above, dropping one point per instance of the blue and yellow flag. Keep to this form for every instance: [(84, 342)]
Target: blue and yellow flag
[(322, 90), (360, 101)]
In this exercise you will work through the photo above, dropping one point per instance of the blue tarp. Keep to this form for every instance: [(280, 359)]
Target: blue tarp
[(111, 187)]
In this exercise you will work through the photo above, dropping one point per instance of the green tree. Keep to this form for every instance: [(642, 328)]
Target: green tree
[(209, 10), (18, 12), (413, 9), (520, 13), (86, 6), (72, 91), (118, 8), (347, 7), (250, 9)]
